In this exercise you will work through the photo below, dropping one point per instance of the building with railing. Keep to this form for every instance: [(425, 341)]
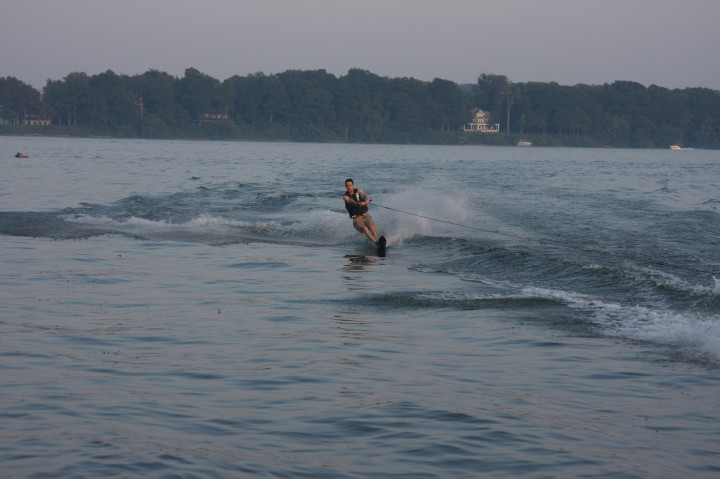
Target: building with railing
[(481, 123), (33, 120), (27, 120), (205, 117)]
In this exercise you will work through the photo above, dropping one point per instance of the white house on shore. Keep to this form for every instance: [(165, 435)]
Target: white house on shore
[(33, 120), (481, 123), (29, 120)]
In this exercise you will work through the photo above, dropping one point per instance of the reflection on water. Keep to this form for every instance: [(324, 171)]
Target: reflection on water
[(358, 262), (353, 327), (355, 269)]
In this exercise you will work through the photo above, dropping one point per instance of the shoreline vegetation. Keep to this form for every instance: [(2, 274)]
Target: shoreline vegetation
[(360, 107), (501, 140)]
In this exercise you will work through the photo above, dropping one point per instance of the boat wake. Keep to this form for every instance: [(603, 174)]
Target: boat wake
[(318, 228)]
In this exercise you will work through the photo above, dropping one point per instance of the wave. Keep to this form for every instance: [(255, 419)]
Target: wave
[(671, 282), (314, 228), (692, 334), (687, 330), (496, 260), (317, 228), (616, 300)]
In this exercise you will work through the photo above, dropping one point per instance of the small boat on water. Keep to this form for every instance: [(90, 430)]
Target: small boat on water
[(675, 147), (21, 155), (524, 143)]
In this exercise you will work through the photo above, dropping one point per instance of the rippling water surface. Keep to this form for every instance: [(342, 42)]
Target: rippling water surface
[(205, 309)]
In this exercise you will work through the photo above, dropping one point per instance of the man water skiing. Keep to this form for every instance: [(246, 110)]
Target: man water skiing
[(356, 202)]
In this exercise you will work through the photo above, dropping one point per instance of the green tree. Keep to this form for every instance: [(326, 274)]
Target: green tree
[(449, 105), (56, 100), (69, 98), (161, 116), (112, 108), (311, 103), (199, 94), (406, 106), (247, 97), (18, 100), (357, 112)]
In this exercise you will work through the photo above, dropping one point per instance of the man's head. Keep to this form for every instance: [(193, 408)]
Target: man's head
[(349, 185)]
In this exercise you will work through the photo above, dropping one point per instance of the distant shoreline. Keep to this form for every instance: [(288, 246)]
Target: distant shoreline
[(362, 107), (539, 141)]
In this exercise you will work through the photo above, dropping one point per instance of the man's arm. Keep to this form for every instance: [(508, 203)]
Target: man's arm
[(364, 199)]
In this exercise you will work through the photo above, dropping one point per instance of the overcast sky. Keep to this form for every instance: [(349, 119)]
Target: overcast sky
[(670, 43)]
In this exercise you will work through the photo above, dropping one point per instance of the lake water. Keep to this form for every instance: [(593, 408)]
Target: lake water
[(205, 309)]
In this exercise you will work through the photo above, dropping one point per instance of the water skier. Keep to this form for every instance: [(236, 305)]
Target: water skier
[(356, 202)]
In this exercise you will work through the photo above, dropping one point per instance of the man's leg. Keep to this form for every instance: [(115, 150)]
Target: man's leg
[(371, 233), (373, 230)]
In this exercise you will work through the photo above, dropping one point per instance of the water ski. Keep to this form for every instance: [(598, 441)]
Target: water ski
[(382, 242)]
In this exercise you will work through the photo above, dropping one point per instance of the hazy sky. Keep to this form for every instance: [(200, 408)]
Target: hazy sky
[(670, 43)]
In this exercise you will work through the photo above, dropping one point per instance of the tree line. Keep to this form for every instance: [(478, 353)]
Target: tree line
[(313, 105)]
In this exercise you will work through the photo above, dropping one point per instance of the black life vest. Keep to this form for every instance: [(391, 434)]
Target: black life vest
[(355, 210)]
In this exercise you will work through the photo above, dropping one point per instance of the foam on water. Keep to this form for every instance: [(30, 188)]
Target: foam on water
[(416, 207), (663, 279), (688, 330), (319, 226)]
